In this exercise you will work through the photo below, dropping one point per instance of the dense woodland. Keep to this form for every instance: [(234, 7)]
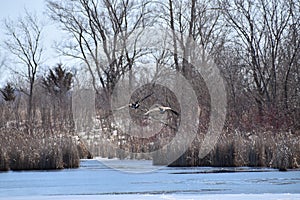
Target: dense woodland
[(255, 45)]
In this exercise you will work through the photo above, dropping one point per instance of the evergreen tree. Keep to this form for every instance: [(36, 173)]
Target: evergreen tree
[(8, 92), (58, 81)]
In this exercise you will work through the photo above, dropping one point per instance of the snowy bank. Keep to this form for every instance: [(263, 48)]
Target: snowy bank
[(164, 197)]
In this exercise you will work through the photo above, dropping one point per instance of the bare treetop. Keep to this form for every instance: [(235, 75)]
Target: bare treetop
[(102, 35), (24, 42)]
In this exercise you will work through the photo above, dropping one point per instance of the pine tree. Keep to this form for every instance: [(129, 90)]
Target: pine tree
[(8, 92), (58, 81)]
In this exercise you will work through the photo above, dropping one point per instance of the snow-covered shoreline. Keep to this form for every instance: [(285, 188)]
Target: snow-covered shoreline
[(163, 197), (94, 180)]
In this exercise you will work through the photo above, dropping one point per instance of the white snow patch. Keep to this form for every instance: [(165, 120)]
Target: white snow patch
[(163, 197)]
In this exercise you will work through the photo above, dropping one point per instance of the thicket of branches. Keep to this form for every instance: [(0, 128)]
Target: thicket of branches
[(46, 141), (255, 44)]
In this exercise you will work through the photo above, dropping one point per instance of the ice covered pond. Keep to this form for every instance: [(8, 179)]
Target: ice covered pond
[(94, 180)]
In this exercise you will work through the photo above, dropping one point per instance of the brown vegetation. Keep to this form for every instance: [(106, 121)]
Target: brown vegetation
[(46, 141), (266, 149), (20, 151), (254, 45)]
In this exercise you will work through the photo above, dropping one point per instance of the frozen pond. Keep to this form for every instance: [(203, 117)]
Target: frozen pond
[(94, 180)]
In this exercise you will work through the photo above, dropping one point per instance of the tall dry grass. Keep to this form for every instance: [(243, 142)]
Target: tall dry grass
[(21, 151), (267, 149)]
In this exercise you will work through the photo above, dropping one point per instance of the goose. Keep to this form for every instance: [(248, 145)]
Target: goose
[(161, 109), (135, 105), (163, 122)]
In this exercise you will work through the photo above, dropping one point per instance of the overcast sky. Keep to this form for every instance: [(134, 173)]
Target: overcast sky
[(15, 8)]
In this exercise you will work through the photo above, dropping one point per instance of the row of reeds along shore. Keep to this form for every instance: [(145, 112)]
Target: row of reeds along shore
[(22, 151), (19, 151), (275, 150)]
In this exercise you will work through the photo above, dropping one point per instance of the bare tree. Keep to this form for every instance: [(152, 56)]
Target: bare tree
[(258, 32), (1, 62), (24, 42), (2, 67), (290, 74), (103, 35), (193, 20)]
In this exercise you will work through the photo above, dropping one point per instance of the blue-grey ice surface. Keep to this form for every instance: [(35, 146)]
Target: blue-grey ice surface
[(94, 178)]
